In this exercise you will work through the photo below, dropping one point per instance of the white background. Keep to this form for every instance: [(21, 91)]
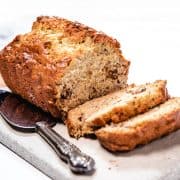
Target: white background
[(149, 33)]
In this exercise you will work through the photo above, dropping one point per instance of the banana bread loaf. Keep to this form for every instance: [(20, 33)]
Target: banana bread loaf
[(115, 107), (61, 64), (143, 128)]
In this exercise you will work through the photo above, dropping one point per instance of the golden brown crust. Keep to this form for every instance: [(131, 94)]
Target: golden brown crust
[(31, 70), (74, 30), (27, 71), (125, 138)]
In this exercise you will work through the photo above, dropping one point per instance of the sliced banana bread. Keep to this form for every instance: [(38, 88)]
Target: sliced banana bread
[(115, 107), (61, 64), (143, 128)]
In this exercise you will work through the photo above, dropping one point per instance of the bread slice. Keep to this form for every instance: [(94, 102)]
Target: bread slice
[(143, 128), (115, 107), (61, 64)]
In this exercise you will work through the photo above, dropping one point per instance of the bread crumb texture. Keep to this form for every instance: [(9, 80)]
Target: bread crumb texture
[(61, 64), (115, 107), (143, 128)]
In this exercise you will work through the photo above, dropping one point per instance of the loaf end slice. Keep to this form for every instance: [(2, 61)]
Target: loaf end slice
[(143, 128), (115, 107), (61, 64)]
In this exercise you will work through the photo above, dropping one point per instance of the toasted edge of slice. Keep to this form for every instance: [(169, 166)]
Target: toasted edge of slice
[(115, 107), (143, 128)]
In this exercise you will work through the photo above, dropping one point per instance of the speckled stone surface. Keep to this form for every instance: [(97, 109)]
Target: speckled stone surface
[(159, 160)]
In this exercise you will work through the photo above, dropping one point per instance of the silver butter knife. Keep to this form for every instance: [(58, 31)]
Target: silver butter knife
[(25, 117)]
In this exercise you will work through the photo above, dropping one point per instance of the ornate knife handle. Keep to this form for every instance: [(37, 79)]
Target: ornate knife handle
[(78, 161)]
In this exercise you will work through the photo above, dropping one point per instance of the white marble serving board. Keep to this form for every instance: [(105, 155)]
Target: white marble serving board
[(157, 160)]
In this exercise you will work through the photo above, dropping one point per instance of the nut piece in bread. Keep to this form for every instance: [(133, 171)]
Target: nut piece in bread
[(115, 107), (143, 128), (61, 64)]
